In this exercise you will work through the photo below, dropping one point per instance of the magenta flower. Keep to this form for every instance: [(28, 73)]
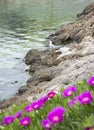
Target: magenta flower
[(43, 99), (91, 81), (28, 108), (56, 115), (0, 124), (69, 91), (72, 102), (8, 119), (25, 121), (85, 98), (18, 114), (37, 105), (45, 124), (90, 128), (51, 94)]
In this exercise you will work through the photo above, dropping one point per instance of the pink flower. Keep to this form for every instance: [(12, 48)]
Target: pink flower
[(45, 123), (56, 115), (18, 114), (28, 108), (69, 91), (25, 121), (85, 98), (91, 81), (8, 119), (43, 99), (72, 102), (51, 94), (37, 105)]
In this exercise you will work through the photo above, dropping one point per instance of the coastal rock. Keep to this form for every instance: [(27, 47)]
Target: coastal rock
[(57, 68), (22, 89), (87, 10), (41, 70), (32, 56), (8, 102), (42, 75), (76, 31), (41, 59)]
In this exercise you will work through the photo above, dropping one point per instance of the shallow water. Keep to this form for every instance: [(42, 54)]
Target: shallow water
[(25, 24)]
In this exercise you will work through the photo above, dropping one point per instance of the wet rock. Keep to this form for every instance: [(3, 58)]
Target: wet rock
[(41, 59), (32, 56), (22, 89), (42, 76), (41, 65)]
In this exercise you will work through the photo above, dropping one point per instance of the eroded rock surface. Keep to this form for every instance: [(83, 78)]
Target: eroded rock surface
[(76, 31)]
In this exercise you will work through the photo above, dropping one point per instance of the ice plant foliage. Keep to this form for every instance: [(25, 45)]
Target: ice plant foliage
[(69, 91), (85, 98), (8, 119), (91, 81), (59, 113), (56, 115), (25, 121)]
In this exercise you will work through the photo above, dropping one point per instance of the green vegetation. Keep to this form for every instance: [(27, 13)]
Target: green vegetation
[(70, 109)]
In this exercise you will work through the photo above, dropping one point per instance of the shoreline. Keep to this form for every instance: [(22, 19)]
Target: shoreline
[(52, 69)]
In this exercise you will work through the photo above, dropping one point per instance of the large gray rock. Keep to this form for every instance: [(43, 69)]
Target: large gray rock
[(41, 59)]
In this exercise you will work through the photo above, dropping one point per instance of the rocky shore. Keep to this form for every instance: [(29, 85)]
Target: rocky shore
[(55, 68)]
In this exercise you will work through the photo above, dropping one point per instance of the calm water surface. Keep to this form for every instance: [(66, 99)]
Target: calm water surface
[(25, 24)]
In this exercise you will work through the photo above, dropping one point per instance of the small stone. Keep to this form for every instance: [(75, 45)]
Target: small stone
[(22, 89), (66, 81)]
